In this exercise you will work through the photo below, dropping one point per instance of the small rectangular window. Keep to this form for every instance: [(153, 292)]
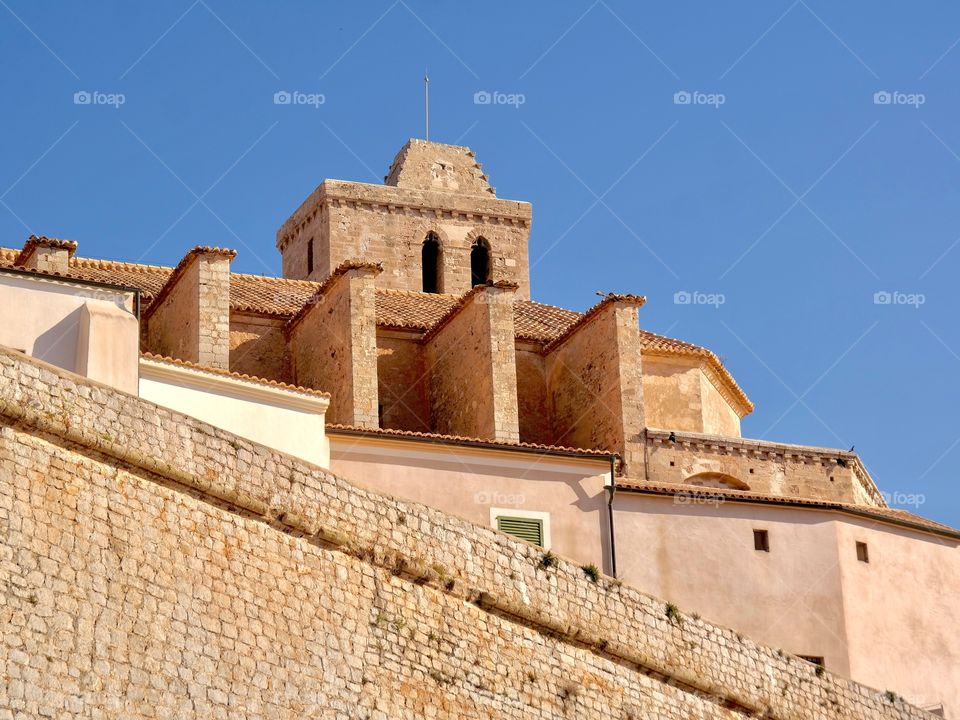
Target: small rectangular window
[(863, 555), (815, 659), (761, 540), (310, 256), (528, 529)]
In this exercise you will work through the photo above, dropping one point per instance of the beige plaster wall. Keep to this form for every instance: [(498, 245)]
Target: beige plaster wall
[(468, 482), (277, 418), (888, 624), (902, 611), (85, 329)]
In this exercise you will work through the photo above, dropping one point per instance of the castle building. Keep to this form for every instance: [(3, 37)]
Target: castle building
[(401, 350)]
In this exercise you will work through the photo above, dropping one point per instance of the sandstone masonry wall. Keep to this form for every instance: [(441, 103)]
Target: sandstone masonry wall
[(473, 378), (595, 385), (155, 566), (190, 318), (766, 467), (258, 347), (403, 381), (333, 345)]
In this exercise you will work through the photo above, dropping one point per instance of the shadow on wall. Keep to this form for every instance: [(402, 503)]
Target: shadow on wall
[(58, 345)]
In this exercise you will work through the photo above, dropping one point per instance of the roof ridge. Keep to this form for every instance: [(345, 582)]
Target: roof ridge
[(393, 432), (167, 360), (414, 293), (105, 264), (272, 278)]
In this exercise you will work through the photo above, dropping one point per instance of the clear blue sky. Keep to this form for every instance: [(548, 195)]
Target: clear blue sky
[(783, 188)]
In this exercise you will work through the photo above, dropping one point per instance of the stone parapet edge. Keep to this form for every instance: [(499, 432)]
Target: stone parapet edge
[(502, 575)]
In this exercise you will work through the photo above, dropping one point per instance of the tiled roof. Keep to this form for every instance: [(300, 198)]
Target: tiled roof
[(399, 309), (892, 515), (235, 375), (412, 310), (541, 323), (332, 428)]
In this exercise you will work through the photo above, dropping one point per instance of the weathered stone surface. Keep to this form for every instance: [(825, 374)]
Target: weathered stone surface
[(157, 567)]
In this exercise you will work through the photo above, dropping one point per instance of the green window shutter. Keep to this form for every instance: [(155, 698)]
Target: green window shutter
[(527, 529)]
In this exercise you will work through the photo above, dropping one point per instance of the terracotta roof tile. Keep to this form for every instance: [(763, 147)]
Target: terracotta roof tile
[(462, 440), (894, 515), (412, 310), (399, 309), (541, 323), (237, 376)]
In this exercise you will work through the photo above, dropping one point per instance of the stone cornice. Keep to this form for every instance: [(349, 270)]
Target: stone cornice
[(426, 203), (765, 449)]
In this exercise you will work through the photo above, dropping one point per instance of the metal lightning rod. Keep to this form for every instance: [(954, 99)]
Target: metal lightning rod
[(426, 96)]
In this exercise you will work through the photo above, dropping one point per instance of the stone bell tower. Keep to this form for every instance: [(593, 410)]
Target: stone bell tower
[(435, 224)]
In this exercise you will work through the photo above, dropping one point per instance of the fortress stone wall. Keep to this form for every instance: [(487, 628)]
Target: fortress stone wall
[(153, 566)]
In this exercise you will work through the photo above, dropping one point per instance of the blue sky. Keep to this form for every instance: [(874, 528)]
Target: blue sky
[(739, 157)]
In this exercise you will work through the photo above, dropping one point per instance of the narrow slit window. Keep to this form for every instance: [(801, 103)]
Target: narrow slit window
[(310, 256), (813, 659), (430, 264), (761, 540), (480, 263), (863, 554)]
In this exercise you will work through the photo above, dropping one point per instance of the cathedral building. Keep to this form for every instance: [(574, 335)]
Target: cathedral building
[(401, 350)]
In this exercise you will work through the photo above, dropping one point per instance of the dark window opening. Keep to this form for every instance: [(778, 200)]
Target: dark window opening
[(480, 263), (761, 540), (863, 554), (430, 261), (310, 256), (814, 659)]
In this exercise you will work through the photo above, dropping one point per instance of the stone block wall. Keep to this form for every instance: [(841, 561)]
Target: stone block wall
[(258, 346), (790, 471), (594, 383), (470, 360), (389, 224), (157, 567), (190, 317), (403, 381), (333, 344)]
